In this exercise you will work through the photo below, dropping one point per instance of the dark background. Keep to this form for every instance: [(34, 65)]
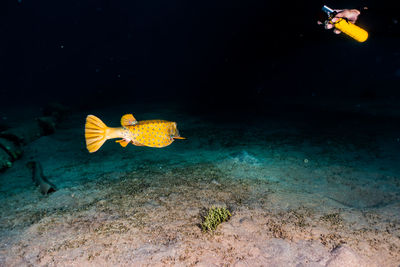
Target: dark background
[(207, 55)]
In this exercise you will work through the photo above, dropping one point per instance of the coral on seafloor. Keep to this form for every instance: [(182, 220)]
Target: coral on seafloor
[(214, 217)]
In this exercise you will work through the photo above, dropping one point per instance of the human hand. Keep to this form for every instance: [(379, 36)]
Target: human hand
[(350, 14)]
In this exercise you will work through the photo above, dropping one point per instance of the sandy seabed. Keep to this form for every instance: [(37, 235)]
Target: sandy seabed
[(297, 197)]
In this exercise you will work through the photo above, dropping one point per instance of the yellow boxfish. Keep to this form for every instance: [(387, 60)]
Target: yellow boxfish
[(151, 133)]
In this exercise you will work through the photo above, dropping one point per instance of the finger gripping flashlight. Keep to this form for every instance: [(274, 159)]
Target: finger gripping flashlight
[(345, 26)]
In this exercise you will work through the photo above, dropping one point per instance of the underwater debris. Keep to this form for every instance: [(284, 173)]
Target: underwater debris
[(23, 134), (11, 148), (30, 130), (9, 152), (215, 216), (55, 110), (47, 125), (45, 186), (13, 139), (5, 160)]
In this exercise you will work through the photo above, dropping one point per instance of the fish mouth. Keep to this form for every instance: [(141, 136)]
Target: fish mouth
[(179, 137)]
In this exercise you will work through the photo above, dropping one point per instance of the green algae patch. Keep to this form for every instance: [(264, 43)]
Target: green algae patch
[(214, 217)]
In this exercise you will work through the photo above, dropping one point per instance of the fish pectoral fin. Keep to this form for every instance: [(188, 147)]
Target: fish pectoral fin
[(128, 120), (123, 142)]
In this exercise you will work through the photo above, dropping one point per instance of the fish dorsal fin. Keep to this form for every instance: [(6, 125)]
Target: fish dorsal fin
[(128, 120), (122, 142)]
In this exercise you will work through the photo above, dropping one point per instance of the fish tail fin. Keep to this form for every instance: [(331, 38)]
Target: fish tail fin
[(95, 133)]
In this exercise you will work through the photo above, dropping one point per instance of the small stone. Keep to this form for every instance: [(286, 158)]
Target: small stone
[(215, 182), (306, 161)]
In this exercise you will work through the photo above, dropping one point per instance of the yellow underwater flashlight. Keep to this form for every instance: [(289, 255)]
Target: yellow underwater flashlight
[(345, 26)]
